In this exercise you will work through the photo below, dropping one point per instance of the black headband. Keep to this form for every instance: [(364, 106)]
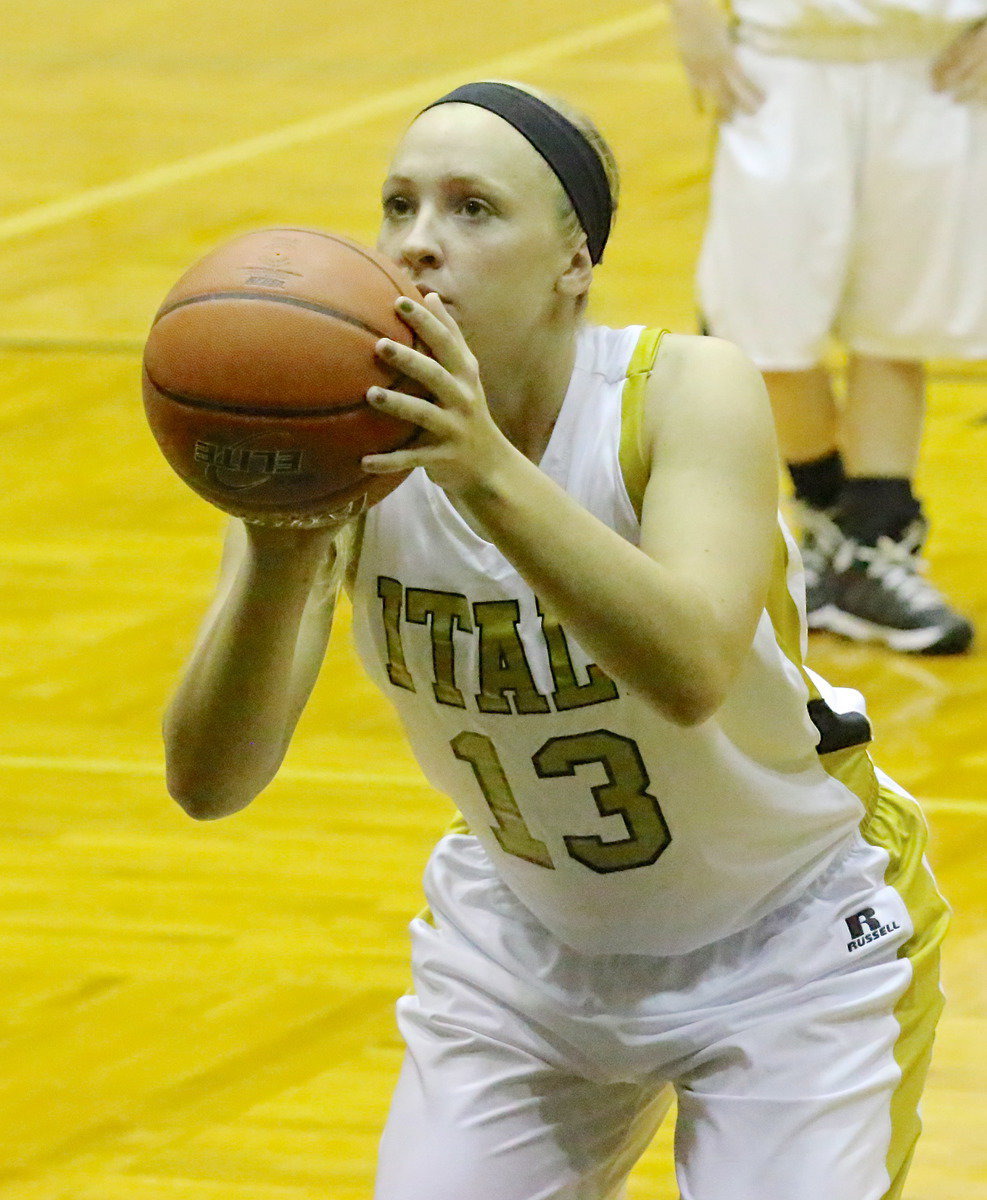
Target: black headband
[(573, 160)]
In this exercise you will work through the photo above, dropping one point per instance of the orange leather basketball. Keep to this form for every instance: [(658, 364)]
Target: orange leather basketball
[(256, 370)]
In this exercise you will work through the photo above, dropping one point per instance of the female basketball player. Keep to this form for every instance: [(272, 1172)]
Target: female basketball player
[(677, 865), (847, 200)]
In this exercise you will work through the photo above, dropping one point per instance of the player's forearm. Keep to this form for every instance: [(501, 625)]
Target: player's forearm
[(232, 715), (654, 632)]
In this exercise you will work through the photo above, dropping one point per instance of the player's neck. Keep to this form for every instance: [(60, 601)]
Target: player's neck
[(525, 389)]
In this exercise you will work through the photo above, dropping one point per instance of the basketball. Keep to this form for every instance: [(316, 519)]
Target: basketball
[(256, 370)]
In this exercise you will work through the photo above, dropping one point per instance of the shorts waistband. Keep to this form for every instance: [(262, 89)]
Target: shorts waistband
[(853, 44)]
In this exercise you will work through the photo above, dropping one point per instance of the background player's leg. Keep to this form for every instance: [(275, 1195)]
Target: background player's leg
[(875, 586), (883, 414), (914, 293), (805, 413), (772, 270), (807, 419)]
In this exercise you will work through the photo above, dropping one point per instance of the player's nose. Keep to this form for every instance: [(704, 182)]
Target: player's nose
[(421, 246)]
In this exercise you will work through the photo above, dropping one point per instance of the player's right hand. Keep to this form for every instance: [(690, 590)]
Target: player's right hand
[(708, 53), (962, 67)]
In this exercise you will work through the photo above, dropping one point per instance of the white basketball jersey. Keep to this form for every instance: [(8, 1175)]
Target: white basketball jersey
[(619, 830)]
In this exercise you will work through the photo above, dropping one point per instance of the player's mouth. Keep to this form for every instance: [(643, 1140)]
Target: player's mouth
[(427, 291)]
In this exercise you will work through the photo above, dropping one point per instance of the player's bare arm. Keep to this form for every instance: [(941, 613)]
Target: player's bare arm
[(673, 619), (253, 667), (710, 512)]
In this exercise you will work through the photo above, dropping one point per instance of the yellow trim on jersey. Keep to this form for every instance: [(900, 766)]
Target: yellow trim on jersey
[(898, 826), (457, 825), (634, 466), (852, 766), (782, 609)]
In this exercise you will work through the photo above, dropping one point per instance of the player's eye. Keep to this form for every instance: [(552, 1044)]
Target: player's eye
[(396, 206), (474, 207)]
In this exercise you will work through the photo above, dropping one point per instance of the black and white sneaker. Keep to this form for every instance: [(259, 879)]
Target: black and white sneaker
[(819, 538), (878, 593)]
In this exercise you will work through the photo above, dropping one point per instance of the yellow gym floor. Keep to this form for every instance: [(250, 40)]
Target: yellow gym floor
[(204, 1012)]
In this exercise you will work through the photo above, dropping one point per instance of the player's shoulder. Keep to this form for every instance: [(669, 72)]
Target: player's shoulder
[(704, 390), (685, 357), (693, 371)]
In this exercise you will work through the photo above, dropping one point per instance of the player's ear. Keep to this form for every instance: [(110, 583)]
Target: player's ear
[(578, 274)]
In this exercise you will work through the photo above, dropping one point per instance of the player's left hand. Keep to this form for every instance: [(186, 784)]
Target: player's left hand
[(462, 441), (962, 67)]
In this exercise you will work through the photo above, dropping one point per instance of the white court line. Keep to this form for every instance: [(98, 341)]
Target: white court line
[(134, 768), (58, 212)]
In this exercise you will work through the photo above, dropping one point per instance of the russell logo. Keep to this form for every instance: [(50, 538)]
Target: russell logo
[(865, 927)]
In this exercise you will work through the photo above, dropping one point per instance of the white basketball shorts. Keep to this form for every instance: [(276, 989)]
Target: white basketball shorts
[(850, 204), (797, 1048)]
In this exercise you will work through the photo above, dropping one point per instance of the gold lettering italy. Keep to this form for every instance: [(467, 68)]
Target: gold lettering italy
[(442, 612)]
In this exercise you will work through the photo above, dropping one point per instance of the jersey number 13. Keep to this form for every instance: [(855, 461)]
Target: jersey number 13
[(625, 794)]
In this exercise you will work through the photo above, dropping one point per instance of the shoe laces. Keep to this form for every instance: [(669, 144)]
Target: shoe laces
[(819, 536), (895, 564)]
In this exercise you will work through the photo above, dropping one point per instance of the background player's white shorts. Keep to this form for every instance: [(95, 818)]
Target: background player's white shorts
[(851, 203), (797, 1049)]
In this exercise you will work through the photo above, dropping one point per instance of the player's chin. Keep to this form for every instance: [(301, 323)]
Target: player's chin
[(464, 321)]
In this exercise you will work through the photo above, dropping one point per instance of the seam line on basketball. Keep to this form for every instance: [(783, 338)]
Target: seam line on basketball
[(323, 309), (245, 410)]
